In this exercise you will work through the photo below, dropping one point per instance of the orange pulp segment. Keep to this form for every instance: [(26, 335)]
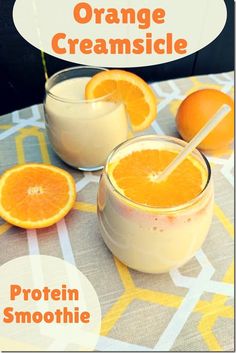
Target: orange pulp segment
[(139, 99), (36, 195), (135, 176)]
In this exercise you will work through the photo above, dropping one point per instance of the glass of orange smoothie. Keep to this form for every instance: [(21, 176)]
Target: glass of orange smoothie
[(154, 226), (82, 132)]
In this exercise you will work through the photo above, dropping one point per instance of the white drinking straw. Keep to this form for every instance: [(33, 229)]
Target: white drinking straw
[(216, 119)]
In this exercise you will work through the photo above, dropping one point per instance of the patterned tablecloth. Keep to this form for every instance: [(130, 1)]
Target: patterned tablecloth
[(190, 309)]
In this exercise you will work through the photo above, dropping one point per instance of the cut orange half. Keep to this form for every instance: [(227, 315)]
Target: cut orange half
[(36, 195), (135, 176), (138, 97)]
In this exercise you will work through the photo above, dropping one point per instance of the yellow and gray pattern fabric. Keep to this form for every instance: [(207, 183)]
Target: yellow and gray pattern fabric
[(190, 309)]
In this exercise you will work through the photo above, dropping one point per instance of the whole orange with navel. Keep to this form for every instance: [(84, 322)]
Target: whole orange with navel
[(197, 109)]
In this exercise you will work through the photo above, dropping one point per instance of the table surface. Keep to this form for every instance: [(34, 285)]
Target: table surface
[(190, 309)]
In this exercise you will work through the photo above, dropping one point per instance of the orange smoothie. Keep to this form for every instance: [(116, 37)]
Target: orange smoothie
[(83, 132), (154, 227)]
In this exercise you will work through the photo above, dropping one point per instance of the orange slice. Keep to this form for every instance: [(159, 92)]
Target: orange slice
[(138, 97), (135, 174), (36, 195)]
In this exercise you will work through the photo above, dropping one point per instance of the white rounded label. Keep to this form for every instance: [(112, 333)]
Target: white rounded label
[(47, 305), (120, 33)]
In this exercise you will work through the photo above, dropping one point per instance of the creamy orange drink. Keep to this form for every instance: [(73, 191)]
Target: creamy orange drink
[(82, 132), (154, 226)]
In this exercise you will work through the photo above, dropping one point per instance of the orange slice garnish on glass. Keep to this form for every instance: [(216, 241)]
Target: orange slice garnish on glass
[(135, 177), (36, 195), (136, 94)]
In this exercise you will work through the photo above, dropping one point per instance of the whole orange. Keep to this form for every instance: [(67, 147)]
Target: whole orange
[(195, 111)]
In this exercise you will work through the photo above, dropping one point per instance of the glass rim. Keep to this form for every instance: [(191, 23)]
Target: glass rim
[(160, 210), (75, 100)]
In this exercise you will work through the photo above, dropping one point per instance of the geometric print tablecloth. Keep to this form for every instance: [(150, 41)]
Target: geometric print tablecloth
[(190, 309)]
